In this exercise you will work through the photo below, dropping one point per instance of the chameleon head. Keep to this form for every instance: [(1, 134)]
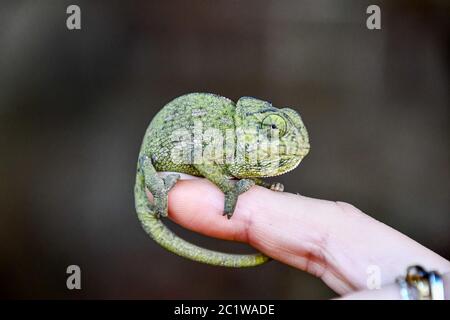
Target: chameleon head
[(270, 141)]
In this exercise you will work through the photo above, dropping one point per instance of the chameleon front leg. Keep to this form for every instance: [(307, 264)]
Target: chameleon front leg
[(159, 187), (231, 190)]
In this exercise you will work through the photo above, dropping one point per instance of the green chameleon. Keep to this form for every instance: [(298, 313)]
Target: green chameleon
[(260, 141)]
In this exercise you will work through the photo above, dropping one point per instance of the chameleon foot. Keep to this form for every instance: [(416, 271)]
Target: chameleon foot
[(277, 187), (161, 198), (231, 197), (159, 205)]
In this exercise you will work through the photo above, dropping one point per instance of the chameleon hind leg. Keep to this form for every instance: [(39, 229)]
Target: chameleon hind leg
[(231, 190), (159, 187), (276, 186)]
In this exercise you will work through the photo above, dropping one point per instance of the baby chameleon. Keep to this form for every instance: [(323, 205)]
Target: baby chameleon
[(264, 141)]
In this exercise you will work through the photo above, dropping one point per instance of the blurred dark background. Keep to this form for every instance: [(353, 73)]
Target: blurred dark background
[(74, 106)]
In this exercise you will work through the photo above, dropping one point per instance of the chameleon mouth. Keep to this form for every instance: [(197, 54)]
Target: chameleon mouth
[(286, 168), (298, 153)]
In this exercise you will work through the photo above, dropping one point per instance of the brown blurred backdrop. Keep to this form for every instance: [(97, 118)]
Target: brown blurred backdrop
[(74, 106)]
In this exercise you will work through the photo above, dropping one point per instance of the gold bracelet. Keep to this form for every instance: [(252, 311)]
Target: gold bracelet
[(420, 284)]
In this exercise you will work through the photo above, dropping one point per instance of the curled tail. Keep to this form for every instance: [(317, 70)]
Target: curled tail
[(170, 241)]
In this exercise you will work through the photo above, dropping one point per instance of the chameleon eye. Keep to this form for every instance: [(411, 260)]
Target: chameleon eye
[(275, 122)]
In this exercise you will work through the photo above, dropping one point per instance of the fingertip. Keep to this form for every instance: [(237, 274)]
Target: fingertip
[(198, 206)]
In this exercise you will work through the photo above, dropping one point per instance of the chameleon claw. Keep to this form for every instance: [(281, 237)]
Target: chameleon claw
[(279, 187), (157, 212), (230, 204), (228, 214), (160, 206)]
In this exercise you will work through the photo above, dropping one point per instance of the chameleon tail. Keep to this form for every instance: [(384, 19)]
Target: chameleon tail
[(171, 242)]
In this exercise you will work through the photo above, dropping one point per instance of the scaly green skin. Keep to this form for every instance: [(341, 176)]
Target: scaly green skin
[(222, 115)]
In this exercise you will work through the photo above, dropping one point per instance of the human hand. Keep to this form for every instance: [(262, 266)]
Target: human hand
[(331, 240)]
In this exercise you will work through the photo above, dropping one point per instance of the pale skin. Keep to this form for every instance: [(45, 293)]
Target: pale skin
[(334, 241)]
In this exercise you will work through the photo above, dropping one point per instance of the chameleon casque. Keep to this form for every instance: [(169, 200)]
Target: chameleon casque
[(250, 124)]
